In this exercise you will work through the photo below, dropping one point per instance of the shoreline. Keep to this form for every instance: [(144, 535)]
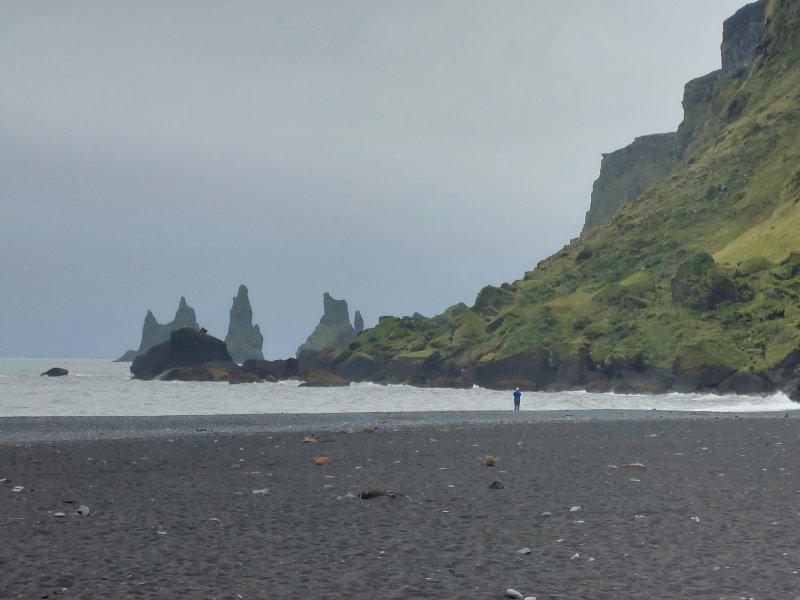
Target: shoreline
[(88, 428), (677, 505)]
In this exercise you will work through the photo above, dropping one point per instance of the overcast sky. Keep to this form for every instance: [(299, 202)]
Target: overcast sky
[(400, 155)]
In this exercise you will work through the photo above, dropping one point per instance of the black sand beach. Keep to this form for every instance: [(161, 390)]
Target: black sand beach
[(649, 506)]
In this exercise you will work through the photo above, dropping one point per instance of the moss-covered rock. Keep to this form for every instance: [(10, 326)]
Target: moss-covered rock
[(700, 284)]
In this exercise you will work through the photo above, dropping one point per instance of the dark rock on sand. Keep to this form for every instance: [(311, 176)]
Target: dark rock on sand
[(186, 347), (244, 340), (496, 485), (55, 372)]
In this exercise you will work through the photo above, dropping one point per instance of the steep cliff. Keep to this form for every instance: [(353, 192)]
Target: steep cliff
[(627, 173), (154, 333), (244, 340), (694, 284)]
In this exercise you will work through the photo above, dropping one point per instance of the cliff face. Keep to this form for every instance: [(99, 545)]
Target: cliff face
[(627, 173), (695, 285), (741, 35), (244, 340), (334, 327)]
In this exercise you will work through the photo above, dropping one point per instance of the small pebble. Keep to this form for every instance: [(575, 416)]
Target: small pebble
[(512, 593), (524, 551), (17, 489), (60, 515)]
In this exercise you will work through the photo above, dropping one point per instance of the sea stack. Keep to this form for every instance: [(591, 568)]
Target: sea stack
[(244, 340), (154, 333), (334, 327), (358, 322)]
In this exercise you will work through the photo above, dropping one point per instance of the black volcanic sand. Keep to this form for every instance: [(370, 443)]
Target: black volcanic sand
[(714, 512)]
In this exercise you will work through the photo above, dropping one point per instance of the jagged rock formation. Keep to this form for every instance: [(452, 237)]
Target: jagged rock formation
[(244, 340), (154, 333), (629, 172), (334, 327), (358, 322), (189, 355)]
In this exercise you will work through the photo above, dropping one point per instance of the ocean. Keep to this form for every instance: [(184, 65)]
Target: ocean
[(96, 387)]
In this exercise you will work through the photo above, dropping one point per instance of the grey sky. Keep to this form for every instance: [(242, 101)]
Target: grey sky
[(400, 155)]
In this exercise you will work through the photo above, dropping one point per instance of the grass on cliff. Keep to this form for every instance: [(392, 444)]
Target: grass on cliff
[(735, 195)]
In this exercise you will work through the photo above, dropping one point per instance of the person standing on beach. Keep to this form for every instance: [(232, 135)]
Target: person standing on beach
[(517, 398)]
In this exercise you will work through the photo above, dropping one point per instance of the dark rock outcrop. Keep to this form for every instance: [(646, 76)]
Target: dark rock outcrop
[(186, 347), (244, 340), (55, 372), (334, 327), (527, 371), (272, 369), (154, 333)]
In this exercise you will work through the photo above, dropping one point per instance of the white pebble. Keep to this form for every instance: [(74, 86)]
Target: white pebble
[(512, 593), (575, 509), (17, 489)]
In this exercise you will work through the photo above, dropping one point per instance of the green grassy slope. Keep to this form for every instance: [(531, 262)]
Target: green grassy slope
[(735, 196)]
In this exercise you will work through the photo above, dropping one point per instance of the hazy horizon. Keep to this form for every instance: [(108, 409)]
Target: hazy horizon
[(399, 156)]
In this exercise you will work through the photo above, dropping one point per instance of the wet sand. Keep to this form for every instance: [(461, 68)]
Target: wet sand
[(671, 505)]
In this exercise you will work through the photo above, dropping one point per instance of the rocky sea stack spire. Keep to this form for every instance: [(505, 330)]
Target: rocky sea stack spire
[(334, 327), (154, 333), (244, 340), (358, 322)]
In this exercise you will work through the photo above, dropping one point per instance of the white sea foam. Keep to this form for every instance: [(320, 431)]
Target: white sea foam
[(100, 387)]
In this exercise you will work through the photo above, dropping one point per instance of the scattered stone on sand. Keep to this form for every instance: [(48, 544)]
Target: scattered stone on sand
[(696, 519), (369, 494), (575, 556), (261, 492), (322, 460), (310, 439), (575, 509), (60, 515), (496, 485), (489, 460), (524, 551), (635, 465), (512, 593), (347, 496), (83, 510), (17, 489)]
